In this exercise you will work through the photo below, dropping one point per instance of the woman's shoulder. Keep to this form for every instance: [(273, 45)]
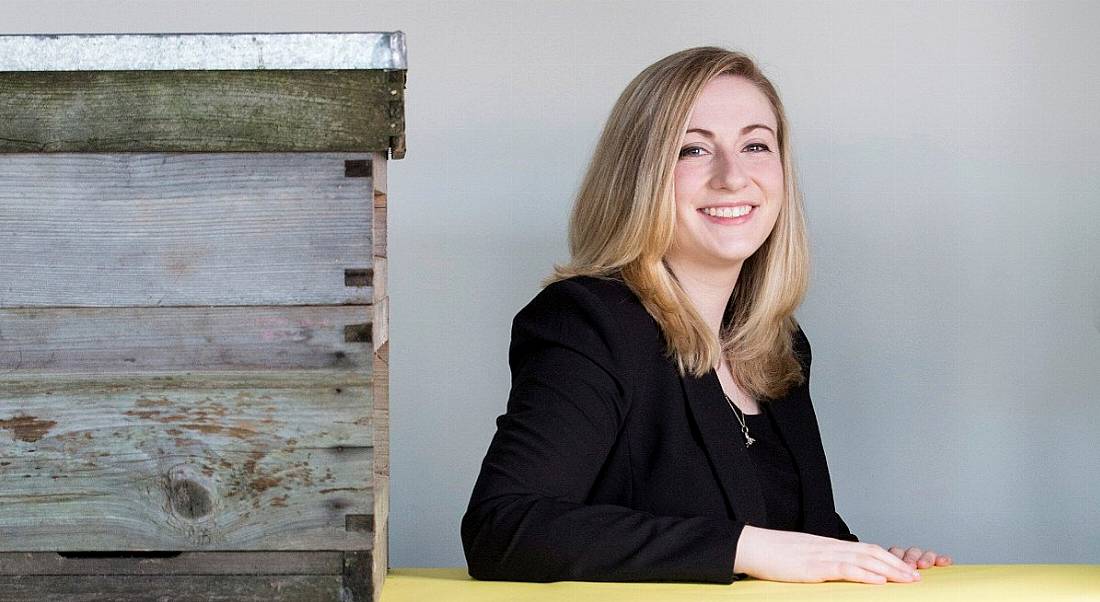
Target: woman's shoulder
[(611, 290), (603, 297), (604, 307), (800, 342)]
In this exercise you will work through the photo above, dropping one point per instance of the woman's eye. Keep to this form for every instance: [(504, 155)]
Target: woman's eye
[(686, 152), (764, 148)]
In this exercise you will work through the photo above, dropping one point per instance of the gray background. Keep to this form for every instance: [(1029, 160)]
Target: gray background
[(948, 155)]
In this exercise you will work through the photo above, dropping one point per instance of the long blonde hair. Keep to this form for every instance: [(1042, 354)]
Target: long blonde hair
[(624, 217)]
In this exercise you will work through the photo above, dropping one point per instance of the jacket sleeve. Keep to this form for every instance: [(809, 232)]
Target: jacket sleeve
[(844, 533), (527, 519), (804, 355)]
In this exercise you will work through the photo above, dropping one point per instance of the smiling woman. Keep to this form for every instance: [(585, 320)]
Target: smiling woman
[(659, 425)]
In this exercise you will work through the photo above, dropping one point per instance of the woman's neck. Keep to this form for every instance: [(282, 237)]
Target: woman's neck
[(708, 288)]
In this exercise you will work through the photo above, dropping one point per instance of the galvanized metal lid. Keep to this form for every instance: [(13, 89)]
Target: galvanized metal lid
[(202, 51)]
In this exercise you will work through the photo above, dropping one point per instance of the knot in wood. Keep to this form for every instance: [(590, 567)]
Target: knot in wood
[(189, 498)]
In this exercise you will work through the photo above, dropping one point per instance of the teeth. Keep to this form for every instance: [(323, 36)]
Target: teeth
[(728, 211)]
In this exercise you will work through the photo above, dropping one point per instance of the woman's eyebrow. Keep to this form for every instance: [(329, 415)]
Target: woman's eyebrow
[(744, 130)]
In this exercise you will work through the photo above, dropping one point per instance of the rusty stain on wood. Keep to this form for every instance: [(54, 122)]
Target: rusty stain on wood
[(264, 483), (27, 428), (194, 417)]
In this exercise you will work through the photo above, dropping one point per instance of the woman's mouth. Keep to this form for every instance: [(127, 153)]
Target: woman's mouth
[(729, 215)]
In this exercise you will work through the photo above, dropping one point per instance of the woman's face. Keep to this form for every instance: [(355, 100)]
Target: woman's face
[(728, 163)]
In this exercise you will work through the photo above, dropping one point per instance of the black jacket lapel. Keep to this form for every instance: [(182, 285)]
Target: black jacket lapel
[(725, 448)]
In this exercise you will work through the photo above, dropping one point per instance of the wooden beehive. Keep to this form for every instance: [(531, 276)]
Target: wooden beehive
[(193, 310)]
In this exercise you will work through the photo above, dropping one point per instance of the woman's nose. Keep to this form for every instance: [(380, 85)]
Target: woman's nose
[(729, 173)]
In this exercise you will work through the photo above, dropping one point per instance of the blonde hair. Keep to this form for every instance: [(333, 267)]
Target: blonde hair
[(624, 217)]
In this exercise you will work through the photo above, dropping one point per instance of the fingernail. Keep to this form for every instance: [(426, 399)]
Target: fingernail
[(916, 575)]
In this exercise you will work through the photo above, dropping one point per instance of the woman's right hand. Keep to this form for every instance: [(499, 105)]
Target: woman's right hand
[(792, 556)]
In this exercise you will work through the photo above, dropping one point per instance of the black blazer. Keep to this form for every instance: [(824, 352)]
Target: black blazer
[(608, 466)]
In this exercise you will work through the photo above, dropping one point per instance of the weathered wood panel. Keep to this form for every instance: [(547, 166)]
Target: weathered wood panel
[(381, 325), (181, 588), (90, 230), (179, 563), (381, 277), (203, 111), (379, 171), (381, 490), (161, 339), (210, 461), (72, 413), (379, 224)]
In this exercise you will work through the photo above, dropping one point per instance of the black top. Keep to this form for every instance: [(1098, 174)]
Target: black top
[(775, 470), (608, 465)]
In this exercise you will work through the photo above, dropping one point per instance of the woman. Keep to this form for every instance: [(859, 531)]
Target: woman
[(659, 425)]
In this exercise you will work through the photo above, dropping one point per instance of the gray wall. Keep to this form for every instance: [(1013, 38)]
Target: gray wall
[(947, 152)]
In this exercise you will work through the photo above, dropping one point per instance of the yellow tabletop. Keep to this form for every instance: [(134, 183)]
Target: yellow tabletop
[(969, 582)]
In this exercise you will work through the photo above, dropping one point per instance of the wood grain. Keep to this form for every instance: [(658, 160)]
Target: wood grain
[(203, 111), (185, 462), (161, 339), (174, 588), (381, 395), (163, 563), (92, 230)]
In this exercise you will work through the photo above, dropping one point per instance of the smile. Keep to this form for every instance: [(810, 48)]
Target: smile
[(737, 211), (729, 215)]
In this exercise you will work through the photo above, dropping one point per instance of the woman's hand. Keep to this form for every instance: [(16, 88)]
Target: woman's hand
[(792, 556), (921, 559)]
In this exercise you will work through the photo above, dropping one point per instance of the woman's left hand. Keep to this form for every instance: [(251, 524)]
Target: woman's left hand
[(921, 559)]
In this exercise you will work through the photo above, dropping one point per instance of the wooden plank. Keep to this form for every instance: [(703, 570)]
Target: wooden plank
[(185, 461), (206, 499), (381, 394), (381, 322), (203, 111), (381, 276), (82, 230), (381, 408), (381, 548), (177, 563), (379, 171), (397, 79), (175, 588), (159, 339), (380, 238), (358, 581), (228, 410)]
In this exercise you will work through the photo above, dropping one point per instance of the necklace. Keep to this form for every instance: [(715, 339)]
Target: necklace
[(740, 418)]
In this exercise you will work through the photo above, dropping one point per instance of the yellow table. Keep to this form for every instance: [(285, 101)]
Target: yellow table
[(969, 582)]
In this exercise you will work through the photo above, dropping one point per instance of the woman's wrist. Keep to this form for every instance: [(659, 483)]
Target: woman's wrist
[(745, 552)]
